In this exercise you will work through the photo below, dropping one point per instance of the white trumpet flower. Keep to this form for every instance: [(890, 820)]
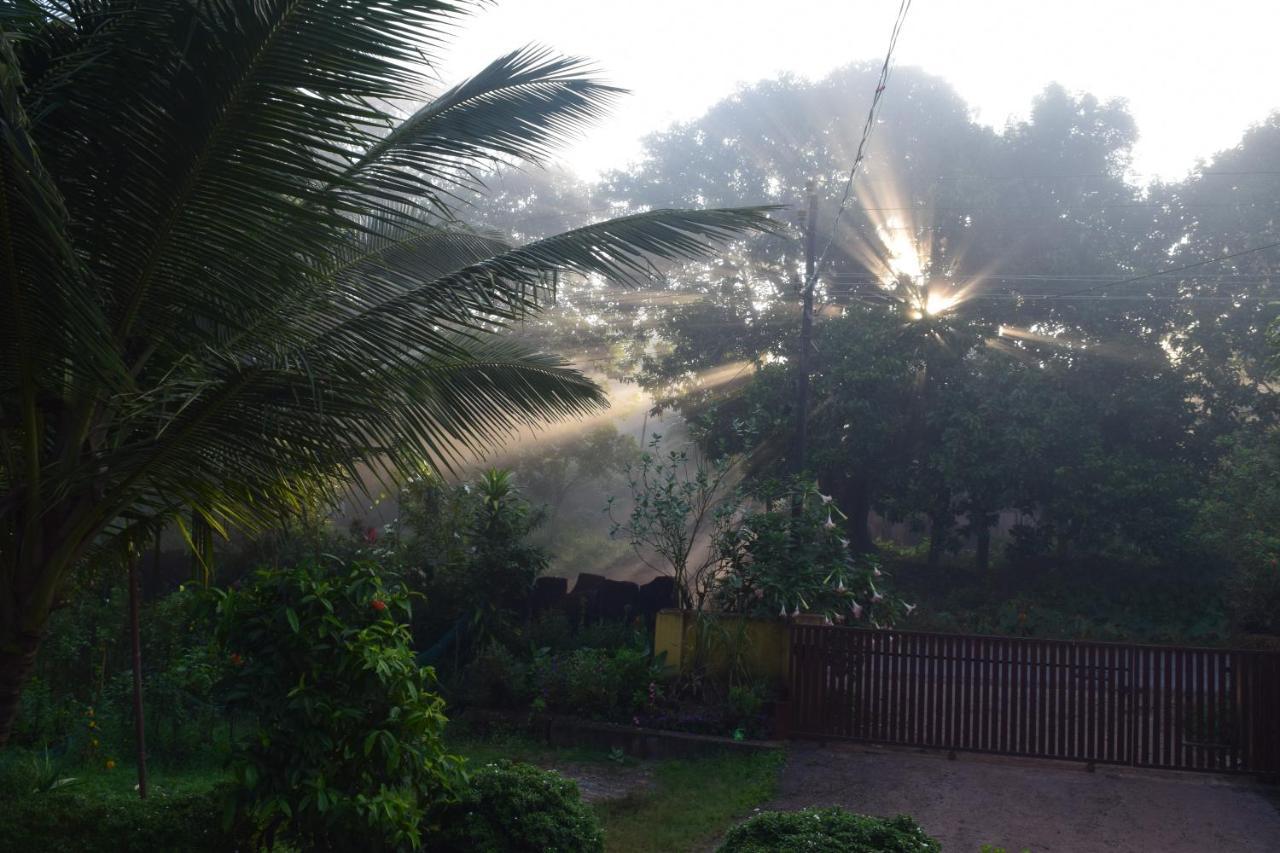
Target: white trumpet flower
[(910, 608), (857, 610), (844, 543), (796, 612), (840, 586), (783, 611), (829, 524), (826, 499)]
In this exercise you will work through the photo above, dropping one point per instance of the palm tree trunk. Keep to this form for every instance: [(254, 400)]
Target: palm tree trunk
[(17, 661)]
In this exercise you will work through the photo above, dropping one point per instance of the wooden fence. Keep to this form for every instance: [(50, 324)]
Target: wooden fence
[(1148, 706)]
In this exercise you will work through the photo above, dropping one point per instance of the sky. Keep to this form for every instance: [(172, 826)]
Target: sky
[(1196, 74)]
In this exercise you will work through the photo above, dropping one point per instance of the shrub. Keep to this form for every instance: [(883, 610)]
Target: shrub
[(744, 708), (470, 548), (496, 679), (90, 823), (348, 751), (87, 665), (831, 830), (594, 682), (610, 635), (778, 561), (516, 808), (551, 630)]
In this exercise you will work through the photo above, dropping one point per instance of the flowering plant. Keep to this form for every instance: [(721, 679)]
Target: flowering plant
[(348, 751), (792, 558)]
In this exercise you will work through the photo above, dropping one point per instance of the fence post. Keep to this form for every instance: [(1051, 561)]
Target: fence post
[(1130, 706)]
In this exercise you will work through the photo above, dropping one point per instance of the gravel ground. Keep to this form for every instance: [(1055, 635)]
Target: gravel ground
[(597, 783), (1036, 805)]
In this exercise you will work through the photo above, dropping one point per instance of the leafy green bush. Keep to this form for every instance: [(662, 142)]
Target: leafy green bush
[(25, 772), (831, 830), (1240, 521), (777, 561), (348, 751), (594, 683), (550, 630), (517, 808), (86, 666), (496, 678), (469, 552), (610, 635), (745, 708), (90, 823)]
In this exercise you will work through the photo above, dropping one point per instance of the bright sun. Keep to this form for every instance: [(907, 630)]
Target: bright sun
[(936, 303)]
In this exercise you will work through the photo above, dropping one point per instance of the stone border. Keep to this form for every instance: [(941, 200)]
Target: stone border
[(636, 741)]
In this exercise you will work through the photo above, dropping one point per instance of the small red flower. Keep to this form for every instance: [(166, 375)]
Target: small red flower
[(236, 660), (379, 605), (371, 535)]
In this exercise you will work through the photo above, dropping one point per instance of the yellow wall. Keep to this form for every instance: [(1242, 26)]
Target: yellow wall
[(761, 648)]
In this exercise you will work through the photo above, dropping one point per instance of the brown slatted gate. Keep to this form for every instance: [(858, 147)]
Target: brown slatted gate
[(1151, 706)]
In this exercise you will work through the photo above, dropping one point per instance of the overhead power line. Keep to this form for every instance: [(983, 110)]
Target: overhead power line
[(1182, 268), (860, 154)]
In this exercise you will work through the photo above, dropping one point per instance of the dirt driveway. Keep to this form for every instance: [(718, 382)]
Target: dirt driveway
[(1039, 806)]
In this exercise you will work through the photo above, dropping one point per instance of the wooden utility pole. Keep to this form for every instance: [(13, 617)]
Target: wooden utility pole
[(806, 331), (135, 642)]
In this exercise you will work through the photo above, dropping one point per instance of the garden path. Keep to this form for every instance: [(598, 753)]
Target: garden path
[(1035, 805), (598, 782)]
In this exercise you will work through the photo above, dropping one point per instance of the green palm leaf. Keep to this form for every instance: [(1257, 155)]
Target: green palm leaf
[(232, 275)]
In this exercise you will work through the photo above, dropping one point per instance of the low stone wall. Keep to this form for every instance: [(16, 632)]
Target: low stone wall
[(632, 740)]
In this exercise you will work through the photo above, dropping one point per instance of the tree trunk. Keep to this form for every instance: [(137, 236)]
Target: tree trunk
[(936, 541), (982, 553), (17, 661), (855, 501), (941, 520)]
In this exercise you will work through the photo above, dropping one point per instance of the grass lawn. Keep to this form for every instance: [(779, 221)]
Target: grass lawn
[(690, 803), (17, 774), (681, 805), (693, 803)]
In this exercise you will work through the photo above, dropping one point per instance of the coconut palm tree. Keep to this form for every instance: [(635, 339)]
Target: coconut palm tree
[(233, 268)]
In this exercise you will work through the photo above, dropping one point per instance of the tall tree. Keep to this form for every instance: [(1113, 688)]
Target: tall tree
[(232, 264), (1083, 415)]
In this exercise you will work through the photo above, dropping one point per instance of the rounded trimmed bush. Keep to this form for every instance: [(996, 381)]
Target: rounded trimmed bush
[(517, 808), (90, 823), (832, 830)]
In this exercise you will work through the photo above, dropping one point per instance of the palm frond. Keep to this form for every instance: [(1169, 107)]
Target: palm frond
[(230, 272), (51, 328), (249, 428), (519, 107), (506, 286)]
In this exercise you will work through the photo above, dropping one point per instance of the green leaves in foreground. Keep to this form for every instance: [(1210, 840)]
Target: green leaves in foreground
[(831, 830), (348, 752)]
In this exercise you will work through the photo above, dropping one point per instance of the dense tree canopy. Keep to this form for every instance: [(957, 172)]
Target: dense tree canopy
[(1009, 324)]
